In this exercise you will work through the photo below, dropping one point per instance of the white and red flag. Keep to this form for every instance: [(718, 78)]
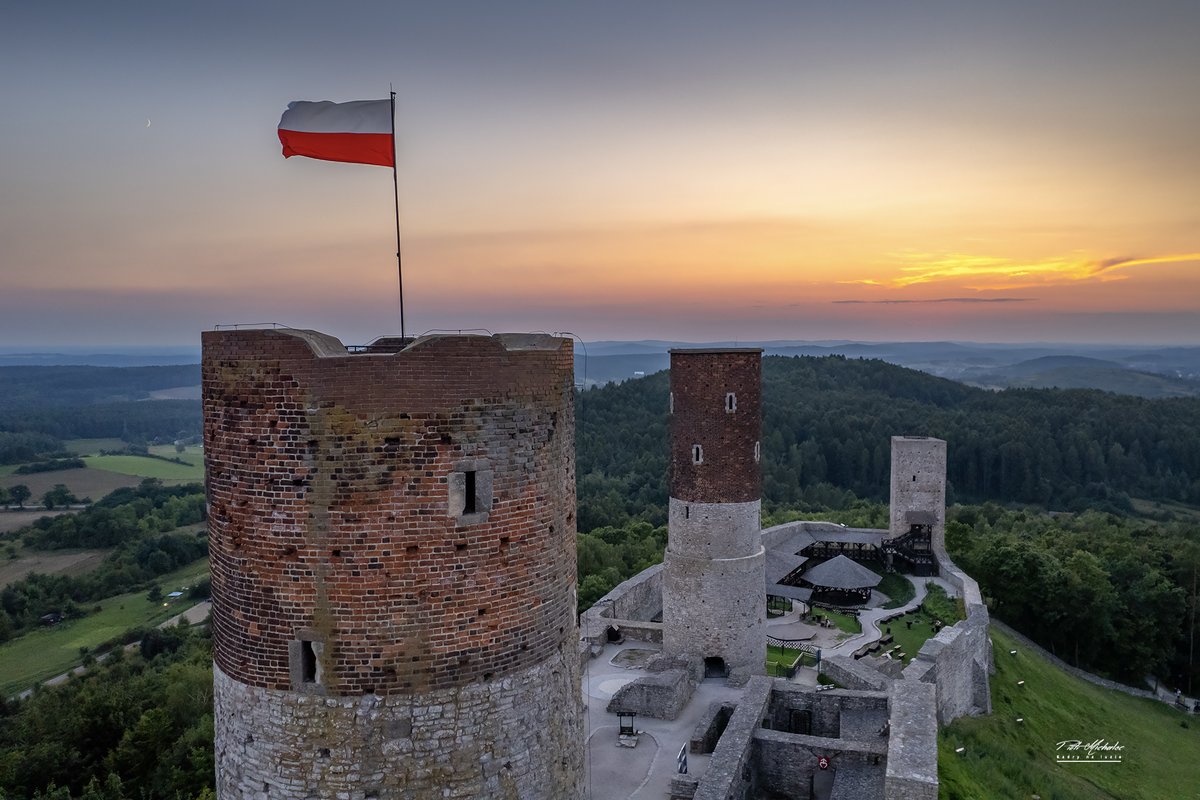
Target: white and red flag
[(358, 132)]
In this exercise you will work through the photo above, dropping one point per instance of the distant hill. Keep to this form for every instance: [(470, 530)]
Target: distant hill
[(1139, 371), (58, 386), (1080, 372)]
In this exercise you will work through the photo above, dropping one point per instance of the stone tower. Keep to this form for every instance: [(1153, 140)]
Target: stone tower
[(393, 566), (918, 495), (714, 591)]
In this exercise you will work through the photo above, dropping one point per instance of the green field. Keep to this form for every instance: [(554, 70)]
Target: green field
[(843, 622), (91, 447), (910, 639), (192, 454), (1006, 758), (142, 467), (42, 654)]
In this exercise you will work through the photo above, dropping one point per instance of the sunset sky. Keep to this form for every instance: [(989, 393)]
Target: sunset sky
[(1013, 171)]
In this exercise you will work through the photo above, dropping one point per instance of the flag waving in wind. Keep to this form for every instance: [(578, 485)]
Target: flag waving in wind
[(358, 132)]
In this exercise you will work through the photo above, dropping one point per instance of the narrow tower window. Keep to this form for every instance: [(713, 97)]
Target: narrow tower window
[(304, 662), (757, 452), (469, 492), (697, 454), (730, 402), (308, 663), (469, 498)]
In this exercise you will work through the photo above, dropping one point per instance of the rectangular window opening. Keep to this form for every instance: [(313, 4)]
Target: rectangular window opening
[(308, 662), (730, 402), (469, 507)]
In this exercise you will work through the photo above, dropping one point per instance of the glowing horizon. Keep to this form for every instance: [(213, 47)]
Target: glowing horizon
[(1024, 173)]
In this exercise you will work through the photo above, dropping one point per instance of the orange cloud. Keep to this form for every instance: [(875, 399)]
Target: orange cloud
[(1005, 273)]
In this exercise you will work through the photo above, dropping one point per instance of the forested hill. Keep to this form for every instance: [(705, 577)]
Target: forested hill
[(828, 422), (37, 387)]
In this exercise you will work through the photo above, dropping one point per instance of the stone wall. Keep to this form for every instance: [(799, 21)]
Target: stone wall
[(660, 695), (389, 527), (852, 674), (918, 483), (958, 660), (730, 772), (502, 739), (786, 765), (630, 605), (912, 743)]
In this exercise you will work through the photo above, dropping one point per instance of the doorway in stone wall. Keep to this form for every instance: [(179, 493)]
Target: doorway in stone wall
[(714, 667), (822, 784)]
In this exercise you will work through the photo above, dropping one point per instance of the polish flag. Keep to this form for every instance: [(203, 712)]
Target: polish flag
[(358, 132)]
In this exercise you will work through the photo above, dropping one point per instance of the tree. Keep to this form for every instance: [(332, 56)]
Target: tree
[(19, 494), (58, 497)]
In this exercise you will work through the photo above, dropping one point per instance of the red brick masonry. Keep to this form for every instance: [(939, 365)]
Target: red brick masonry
[(700, 381), (327, 476)]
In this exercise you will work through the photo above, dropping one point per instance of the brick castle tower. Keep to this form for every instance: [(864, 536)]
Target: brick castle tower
[(714, 600), (393, 566), (918, 496)]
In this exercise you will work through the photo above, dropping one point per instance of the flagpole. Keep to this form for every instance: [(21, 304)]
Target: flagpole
[(396, 195)]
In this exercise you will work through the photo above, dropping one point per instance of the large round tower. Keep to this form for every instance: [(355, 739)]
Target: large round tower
[(393, 566), (714, 592)]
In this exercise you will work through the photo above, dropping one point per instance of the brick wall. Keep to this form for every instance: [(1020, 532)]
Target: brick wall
[(328, 482), (700, 381)]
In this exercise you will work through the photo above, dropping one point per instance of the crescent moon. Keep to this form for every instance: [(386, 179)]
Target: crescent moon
[(147, 122)]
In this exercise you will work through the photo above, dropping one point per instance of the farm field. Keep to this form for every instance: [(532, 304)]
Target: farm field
[(91, 447), (93, 483), (192, 454), (1006, 758), (45, 653), (50, 562), (141, 467)]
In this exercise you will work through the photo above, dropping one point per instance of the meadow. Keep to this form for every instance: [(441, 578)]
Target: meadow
[(44, 653), (1002, 757)]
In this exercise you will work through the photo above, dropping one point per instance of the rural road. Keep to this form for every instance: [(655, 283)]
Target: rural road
[(196, 614)]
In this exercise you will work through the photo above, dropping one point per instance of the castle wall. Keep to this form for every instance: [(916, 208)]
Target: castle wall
[(714, 604), (389, 531), (958, 660), (500, 739), (912, 743)]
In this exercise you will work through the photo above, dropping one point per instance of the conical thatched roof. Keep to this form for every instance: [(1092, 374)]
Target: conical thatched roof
[(841, 573)]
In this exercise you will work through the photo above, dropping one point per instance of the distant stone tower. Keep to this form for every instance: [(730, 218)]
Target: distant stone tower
[(919, 487), (714, 591), (393, 566)]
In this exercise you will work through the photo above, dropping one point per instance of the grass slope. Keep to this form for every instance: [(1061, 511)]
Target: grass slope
[(42, 654), (1007, 759)]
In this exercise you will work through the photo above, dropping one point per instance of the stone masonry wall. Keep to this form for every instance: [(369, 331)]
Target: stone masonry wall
[(502, 739), (339, 516), (918, 483), (958, 660)]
